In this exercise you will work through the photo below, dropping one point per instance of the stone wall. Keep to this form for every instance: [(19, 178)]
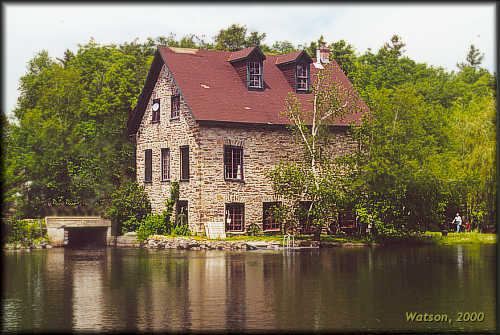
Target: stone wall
[(207, 191), (169, 134), (263, 147), (128, 240)]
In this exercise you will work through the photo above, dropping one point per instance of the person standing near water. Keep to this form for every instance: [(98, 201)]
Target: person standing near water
[(458, 221)]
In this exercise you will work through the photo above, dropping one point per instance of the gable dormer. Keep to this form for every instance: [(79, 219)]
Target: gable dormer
[(296, 67), (249, 64)]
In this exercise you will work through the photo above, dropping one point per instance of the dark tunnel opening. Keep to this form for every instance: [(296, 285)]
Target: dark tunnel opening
[(88, 237)]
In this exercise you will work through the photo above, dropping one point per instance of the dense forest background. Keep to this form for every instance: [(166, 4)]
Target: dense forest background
[(427, 150)]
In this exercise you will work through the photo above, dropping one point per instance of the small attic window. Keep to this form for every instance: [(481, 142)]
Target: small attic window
[(249, 59), (175, 106), (302, 78), (254, 75)]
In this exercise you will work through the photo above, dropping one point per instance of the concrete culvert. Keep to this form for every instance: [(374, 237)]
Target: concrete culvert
[(86, 237)]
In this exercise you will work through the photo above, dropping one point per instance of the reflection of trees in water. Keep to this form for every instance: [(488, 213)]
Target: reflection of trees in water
[(163, 301), (460, 258), (149, 290), (24, 281), (124, 282)]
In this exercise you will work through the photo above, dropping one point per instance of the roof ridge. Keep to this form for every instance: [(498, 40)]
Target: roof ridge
[(223, 95)]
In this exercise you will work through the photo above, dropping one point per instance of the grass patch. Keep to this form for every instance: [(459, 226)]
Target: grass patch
[(248, 238), (344, 239), (424, 238), (462, 238)]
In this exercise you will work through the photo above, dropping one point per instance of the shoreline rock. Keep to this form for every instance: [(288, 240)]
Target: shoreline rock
[(188, 243), (20, 246)]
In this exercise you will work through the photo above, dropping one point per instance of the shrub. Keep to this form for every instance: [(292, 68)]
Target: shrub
[(385, 229), (153, 225), (129, 206), (131, 224), (254, 230), (181, 227), (24, 231), (160, 224)]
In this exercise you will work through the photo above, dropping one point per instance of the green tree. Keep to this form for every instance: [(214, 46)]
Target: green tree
[(10, 181), (387, 68), (427, 145), (393, 49), (254, 39), (474, 170), (235, 38), (402, 149), (69, 145), (283, 47), (343, 54), (317, 176), (474, 58), (129, 206)]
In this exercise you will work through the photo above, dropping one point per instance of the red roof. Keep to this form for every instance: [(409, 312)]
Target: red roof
[(213, 90), (289, 57), (240, 54)]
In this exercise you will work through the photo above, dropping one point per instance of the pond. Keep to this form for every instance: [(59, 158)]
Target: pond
[(337, 289)]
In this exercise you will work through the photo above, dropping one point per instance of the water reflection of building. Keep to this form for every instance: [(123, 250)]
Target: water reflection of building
[(226, 291), (207, 290), (87, 272), (163, 291), (236, 291), (254, 292)]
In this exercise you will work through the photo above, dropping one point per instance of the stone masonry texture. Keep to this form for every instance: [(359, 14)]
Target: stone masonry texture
[(207, 192)]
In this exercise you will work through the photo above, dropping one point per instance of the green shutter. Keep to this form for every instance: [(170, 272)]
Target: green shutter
[(148, 165), (261, 65), (248, 74), (295, 78), (308, 78)]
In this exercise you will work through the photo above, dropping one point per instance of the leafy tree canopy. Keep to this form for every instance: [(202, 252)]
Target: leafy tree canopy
[(235, 38), (427, 146)]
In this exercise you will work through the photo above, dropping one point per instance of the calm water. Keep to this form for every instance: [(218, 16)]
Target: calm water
[(339, 289)]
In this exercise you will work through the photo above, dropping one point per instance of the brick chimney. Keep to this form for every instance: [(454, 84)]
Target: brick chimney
[(324, 54)]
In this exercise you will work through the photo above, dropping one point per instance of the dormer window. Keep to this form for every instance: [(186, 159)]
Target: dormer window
[(295, 66), (254, 70), (155, 107), (248, 64), (302, 77)]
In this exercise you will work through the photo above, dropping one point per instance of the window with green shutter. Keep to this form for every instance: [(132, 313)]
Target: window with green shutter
[(254, 75), (148, 165), (165, 164), (302, 78), (184, 152)]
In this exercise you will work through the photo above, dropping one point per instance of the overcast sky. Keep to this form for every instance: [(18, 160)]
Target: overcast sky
[(439, 35)]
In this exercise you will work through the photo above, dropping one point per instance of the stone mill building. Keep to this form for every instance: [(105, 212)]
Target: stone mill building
[(213, 121)]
